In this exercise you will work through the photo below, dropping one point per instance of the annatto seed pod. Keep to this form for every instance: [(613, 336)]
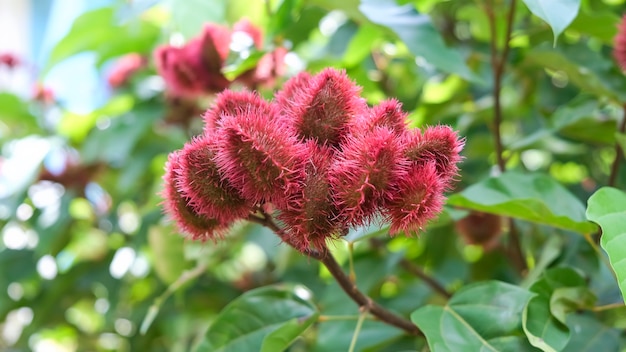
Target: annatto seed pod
[(260, 155), (200, 182), (321, 108), (415, 199), (197, 226), (312, 218), (363, 170), (387, 113), (482, 229), (231, 103), (619, 42), (438, 143)]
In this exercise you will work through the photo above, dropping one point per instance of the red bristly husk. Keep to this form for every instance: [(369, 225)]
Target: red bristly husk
[(260, 155), (312, 216), (619, 42), (201, 183), (197, 226), (416, 198), (231, 103), (439, 143), (322, 107), (388, 113), (362, 172)]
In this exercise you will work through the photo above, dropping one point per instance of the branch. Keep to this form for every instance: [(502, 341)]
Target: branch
[(342, 279), (364, 301), (619, 153), (416, 270), (497, 65)]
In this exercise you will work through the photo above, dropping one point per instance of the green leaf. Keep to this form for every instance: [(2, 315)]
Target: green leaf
[(188, 16), (418, 33), (545, 329), (267, 319), (97, 31), (484, 316), (168, 249), (531, 197), (239, 65), (14, 112), (360, 45), (557, 13), (607, 208), (601, 25), (591, 335)]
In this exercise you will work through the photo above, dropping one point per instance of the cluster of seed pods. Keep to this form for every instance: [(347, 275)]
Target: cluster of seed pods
[(317, 155)]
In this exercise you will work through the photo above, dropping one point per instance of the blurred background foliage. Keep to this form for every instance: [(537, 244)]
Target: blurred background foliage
[(88, 262)]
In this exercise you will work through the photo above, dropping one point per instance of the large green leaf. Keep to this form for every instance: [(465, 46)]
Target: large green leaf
[(484, 316), (418, 33), (557, 291), (98, 31), (14, 112), (591, 335), (188, 16), (607, 207), (557, 13), (532, 197), (265, 319)]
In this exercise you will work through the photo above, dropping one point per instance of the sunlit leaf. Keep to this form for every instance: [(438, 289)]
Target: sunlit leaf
[(418, 33), (532, 197), (480, 317), (266, 319), (545, 329), (557, 13), (607, 207)]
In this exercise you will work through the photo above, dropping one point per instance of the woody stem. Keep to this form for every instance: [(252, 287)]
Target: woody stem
[(350, 288)]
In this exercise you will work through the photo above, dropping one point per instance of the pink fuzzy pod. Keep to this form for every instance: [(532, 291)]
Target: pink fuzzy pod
[(124, 68), (414, 199), (387, 113), (177, 207), (200, 182), (311, 217), (619, 49), (260, 155), (230, 103), (195, 68), (321, 107), (363, 171), (438, 143)]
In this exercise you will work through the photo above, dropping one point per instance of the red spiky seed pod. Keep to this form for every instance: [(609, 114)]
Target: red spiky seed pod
[(195, 68), (322, 108), (482, 229), (200, 182), (415, 199), (312, 218), (230, 103), (619, 42), (387, 113), (363, 170), (197, 226), (439, 143), (124, 68), (259, 154)]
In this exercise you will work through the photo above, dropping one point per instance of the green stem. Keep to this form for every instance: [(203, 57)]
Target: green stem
[(357, 330)]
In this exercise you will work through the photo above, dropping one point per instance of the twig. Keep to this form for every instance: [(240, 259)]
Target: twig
[(357, 330), (364, 301), (497, 65), (415, 270), (619, 152), (184, 278), (608, 307), (342, 279)]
